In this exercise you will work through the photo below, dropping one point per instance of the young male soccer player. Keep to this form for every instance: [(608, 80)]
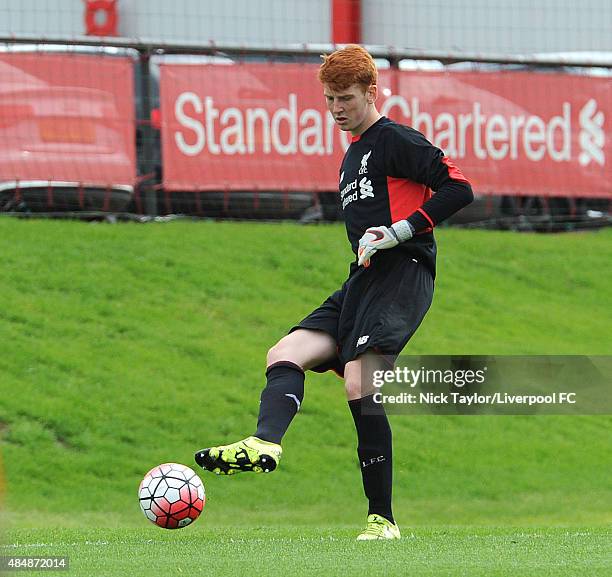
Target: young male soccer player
[(385, 182)]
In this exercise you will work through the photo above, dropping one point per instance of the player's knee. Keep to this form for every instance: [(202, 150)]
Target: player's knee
[(273, 355), (352, 387), (280, 352)]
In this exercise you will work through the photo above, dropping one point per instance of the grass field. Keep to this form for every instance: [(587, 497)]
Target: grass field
[(255, 551), (124, 346)]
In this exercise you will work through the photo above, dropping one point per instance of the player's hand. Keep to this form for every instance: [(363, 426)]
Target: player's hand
[(374, 239), (382, 237)]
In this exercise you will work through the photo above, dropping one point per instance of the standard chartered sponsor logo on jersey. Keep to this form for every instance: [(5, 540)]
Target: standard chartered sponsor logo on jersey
[(347, 195), (350, 193), (286, 130), (506, 136), (365, 188)]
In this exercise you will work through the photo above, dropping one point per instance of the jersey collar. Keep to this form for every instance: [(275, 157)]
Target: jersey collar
[(359, 136)]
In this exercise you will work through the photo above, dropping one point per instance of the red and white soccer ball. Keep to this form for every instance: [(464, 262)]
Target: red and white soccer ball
[(171, 496)]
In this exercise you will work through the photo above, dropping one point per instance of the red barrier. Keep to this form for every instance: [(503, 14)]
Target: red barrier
[(515, 133), (246, 127), (67, 118), (263, 126)]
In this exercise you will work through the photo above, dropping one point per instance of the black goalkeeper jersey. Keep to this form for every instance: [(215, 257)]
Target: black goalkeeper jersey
[(388, 174)]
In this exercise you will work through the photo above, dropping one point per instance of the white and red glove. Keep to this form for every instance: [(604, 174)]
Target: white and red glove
[(382, 237)]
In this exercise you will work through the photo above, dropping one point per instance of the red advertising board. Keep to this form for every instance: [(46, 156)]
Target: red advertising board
[(534, 133), (67, 118), (247, 126), (264, 126)]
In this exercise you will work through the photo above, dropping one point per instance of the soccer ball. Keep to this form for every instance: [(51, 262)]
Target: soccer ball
[(171, 496)]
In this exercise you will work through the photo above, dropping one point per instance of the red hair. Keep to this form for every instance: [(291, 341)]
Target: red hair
[(347, 66)]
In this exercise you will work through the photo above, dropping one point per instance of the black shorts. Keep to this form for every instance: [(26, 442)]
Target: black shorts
[(378, 308)]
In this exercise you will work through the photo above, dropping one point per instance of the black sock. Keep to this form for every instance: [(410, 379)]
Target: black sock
[(374, 449), (280, 400)]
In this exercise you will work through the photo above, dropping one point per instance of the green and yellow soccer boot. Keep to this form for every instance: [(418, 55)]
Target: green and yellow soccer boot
[(379, 528), (250, 454)]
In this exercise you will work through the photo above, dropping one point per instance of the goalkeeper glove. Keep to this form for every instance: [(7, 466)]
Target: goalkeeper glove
[(381, 237)]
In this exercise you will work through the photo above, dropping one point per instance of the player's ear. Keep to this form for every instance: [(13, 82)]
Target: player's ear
[(372, 93)]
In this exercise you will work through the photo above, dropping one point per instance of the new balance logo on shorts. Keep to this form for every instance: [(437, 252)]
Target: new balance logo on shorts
[(363, 340)]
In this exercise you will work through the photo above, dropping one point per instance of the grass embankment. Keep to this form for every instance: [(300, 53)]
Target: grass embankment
[(125, 346)]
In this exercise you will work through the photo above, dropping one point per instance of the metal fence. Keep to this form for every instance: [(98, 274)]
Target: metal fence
[(216, 111)]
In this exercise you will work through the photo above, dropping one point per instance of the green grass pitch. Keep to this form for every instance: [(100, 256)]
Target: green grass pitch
[(286, 550), (124, 346)]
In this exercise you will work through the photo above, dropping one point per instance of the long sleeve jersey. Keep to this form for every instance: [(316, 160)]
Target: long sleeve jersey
[(388, 174)]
